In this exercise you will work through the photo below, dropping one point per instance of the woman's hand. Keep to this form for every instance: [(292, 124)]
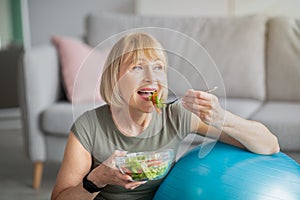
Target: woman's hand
[(107, 174), (204, 105), (249, 134)]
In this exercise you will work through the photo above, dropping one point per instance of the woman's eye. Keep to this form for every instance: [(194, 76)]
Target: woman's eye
[(158, 68), (137, 68)]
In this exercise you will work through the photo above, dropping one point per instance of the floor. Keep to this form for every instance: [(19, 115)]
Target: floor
[(16, 169)]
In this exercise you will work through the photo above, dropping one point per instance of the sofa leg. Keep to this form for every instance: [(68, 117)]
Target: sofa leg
[(37, 175)]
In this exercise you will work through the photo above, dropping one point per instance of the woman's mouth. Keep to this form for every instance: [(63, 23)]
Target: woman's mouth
[(146, 93)]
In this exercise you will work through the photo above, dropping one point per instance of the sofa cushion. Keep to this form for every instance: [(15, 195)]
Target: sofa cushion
[(58, 118), (283, 59), (242, 107), (81, 69), (283, 119), (235, 45)]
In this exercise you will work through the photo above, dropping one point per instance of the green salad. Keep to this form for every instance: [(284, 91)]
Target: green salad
[(139, 168), (134, 169), (155, 172)]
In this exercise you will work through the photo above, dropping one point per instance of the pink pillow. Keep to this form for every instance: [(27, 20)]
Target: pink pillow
[(81, 69)]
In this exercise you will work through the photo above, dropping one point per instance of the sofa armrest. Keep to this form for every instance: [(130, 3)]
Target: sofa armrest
[(39, 87)]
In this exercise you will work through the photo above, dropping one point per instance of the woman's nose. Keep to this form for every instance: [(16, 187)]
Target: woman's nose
[(149, 75)]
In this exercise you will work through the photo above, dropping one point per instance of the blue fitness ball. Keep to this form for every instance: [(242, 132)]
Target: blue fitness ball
[(231, 173)]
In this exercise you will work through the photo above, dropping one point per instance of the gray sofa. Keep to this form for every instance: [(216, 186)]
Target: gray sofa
[(254, 60)]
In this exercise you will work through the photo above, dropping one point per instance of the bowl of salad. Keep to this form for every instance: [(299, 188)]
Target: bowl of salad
[(143, 166)]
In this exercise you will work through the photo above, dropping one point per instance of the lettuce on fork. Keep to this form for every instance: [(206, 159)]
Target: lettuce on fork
[(158, 103)]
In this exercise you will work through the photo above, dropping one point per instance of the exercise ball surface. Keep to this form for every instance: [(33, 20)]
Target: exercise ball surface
[(229, 173)]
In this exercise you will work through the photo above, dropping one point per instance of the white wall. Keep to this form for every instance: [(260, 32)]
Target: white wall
[(65, 17), (182, 7), (218, 7), (268, 7)]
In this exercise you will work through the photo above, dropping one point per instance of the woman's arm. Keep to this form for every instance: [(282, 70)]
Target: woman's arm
[(76, 164), (212, 120)]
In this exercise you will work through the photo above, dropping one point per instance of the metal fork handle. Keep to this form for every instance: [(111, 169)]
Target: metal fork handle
[(176, 99)]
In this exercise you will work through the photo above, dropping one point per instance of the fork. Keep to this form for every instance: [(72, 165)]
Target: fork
[(170, 101)]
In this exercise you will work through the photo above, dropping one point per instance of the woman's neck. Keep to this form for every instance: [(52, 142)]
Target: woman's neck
[(130, 122)]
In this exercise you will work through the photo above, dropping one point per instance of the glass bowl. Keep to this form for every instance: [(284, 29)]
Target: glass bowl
[(143, 166)]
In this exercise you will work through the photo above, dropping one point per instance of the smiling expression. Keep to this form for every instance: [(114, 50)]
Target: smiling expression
[(137, 81), (134, 69)]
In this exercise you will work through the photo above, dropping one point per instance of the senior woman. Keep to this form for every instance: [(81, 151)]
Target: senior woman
[(134, 70)]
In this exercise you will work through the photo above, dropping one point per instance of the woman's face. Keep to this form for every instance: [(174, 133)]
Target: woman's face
[(137, 81)]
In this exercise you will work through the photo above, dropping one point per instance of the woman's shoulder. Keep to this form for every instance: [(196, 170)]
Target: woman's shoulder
[(93, 113), (103, 109), (101, 112)]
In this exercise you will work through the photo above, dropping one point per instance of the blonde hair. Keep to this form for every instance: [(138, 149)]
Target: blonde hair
[(129, 49)]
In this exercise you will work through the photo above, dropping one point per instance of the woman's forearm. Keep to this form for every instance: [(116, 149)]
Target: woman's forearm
[(253, 135), (75, 193)]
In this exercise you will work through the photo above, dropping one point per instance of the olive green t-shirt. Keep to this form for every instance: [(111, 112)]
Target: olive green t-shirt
[(97, 132)]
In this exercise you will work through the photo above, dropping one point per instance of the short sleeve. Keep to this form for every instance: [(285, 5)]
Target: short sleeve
[(82, 129), (181, 118)]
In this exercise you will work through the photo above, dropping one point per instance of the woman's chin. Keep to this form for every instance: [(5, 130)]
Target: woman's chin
[(147, 109), (143, 104)]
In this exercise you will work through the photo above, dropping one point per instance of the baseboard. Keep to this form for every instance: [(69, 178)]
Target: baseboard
[(10, 119)]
